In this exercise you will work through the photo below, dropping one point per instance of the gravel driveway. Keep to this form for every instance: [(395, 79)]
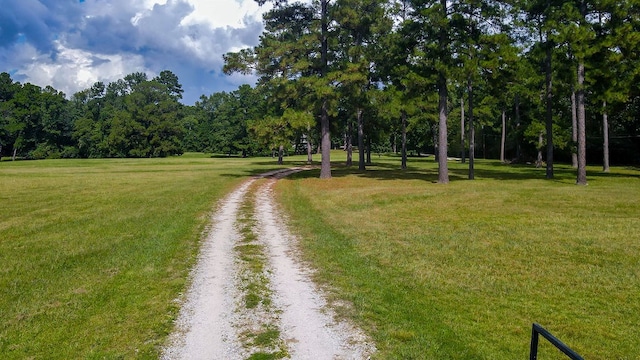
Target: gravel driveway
[(214, 322)]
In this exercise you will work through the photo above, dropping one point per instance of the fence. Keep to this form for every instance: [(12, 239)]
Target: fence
[(539, 330)]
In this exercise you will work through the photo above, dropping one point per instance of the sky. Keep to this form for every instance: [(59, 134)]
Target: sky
[(71, 44)]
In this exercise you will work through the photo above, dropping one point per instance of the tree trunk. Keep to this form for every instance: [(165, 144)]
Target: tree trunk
[(503, 139), (574, 129), (472, 132), (281, 155), (434, 134), (325, 167), (549, 114), (582, 138), (349, 143), (404, 140), (582, 132), (325, 129), (605, 134), (309, 149), (540, 147), (518, 145), (15, 151), (361, 159), (462, 155), (443, 169)]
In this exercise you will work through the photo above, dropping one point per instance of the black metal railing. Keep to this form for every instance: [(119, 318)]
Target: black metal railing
[(539, 330)]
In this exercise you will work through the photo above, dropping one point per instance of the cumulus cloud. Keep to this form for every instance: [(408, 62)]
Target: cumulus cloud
[(75, 69), (71, 44), (224, 13)]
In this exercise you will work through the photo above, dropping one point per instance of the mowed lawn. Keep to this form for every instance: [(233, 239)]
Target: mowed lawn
[(461, 271), (93, 253)]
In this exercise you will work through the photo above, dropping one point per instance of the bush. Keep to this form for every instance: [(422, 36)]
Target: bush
[(42, 151), (70, 152), (48, 151)]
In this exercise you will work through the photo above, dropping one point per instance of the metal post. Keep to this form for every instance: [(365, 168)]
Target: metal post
[(537, 329), (534, 344)]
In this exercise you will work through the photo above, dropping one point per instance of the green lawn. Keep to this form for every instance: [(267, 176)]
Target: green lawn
[(94, 252), (461, 271)]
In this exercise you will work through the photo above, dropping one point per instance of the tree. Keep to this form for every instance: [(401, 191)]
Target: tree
[(484, 53), (170, 80), (25, 118), (325, 130), (7, 92), (444, 54), (393, 68), (293, 58), (224, 120), (410, 79), (156, 129), (579, 37), (277, 131), (131, 117), (613, 63), (361, 25), (544, 15), (91, 125), (54, 139), (446, 32)]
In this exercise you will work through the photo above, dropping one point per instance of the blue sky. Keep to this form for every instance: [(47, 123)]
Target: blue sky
[(70, 44)]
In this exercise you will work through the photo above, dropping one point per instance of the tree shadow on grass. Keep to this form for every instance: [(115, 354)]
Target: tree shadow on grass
[(390, 171), (266, 166), (509, 173), (602, 174), (425, 169), (377, 171)]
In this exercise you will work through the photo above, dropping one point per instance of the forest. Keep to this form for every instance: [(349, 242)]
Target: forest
[(527, 81)]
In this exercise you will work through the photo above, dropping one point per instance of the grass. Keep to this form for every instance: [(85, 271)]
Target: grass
[(94, 252), (253, 261), (461, 271)]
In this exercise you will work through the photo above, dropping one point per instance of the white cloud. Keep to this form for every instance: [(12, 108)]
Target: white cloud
[(71, 45), (74, 69), (215, 14), (224, 13)]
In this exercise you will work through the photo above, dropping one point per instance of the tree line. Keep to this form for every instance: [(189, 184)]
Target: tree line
[(519, 80), (132, 117), (528, 80)]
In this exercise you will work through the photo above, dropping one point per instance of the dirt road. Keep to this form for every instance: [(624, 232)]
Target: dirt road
[(250, 254)]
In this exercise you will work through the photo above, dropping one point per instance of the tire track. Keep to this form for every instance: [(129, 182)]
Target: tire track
[(308, 325)]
